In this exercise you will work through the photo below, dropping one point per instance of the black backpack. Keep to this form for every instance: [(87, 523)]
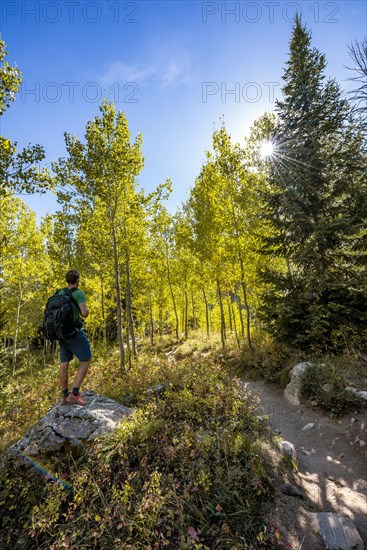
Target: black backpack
[(58, 321)]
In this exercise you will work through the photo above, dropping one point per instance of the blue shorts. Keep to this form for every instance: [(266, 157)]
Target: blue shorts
[(78, 345)]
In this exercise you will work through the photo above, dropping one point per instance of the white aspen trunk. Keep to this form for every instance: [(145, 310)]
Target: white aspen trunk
[(120, 336)]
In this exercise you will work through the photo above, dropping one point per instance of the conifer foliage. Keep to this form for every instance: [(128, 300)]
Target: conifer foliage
[(317, 206)]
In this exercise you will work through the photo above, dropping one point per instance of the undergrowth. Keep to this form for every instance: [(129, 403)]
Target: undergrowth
[(27, 394), (267, 361), (191, 468), (325, 386)]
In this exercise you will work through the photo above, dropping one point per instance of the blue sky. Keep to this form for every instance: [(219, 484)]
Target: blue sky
[(174, 67)]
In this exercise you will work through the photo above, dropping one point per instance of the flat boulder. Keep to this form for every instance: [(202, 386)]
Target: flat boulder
[(71, 424), (337, 531)]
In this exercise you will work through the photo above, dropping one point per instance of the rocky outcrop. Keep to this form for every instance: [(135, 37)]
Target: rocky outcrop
[(293, 391), (71, 423)]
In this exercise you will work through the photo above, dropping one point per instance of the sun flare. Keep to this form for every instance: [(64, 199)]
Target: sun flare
[(266, 149)]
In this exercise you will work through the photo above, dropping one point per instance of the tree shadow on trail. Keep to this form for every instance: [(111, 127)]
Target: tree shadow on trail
[(332, 466)]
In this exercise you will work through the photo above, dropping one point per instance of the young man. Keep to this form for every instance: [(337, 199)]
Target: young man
[(77, 345)]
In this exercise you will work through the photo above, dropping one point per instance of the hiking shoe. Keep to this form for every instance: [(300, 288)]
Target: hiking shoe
[(63, 400), (75, 400)]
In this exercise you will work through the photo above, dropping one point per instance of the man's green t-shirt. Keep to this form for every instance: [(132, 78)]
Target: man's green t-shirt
[(79, 296)]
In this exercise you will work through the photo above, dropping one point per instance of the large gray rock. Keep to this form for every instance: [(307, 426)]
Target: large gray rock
[(337, 531), (293, 391), (71, 423)]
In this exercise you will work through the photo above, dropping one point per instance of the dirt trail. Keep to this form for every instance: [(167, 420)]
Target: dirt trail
[(332, 462)]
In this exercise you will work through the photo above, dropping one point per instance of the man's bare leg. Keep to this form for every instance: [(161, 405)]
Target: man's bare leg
[(64, 375), (80, 375)]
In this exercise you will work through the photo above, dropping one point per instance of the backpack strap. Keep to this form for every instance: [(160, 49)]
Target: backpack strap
[(69, 292)]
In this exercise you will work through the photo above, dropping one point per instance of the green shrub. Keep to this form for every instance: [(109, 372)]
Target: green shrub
[(268, 361), (326, 387)]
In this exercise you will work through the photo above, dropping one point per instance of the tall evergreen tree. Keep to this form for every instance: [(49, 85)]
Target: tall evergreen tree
[(317, 205)]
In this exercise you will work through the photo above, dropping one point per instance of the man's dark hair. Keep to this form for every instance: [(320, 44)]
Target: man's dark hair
[(72, 276)]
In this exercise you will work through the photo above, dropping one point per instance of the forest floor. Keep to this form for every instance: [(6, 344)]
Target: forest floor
[(331, 456), (332, 465)]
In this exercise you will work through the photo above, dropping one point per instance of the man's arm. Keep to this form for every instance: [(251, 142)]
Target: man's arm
[(83, 310)]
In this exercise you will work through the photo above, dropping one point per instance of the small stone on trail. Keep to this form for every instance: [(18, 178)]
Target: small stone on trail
[(362, 443), (308, 426), (291, 490)]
